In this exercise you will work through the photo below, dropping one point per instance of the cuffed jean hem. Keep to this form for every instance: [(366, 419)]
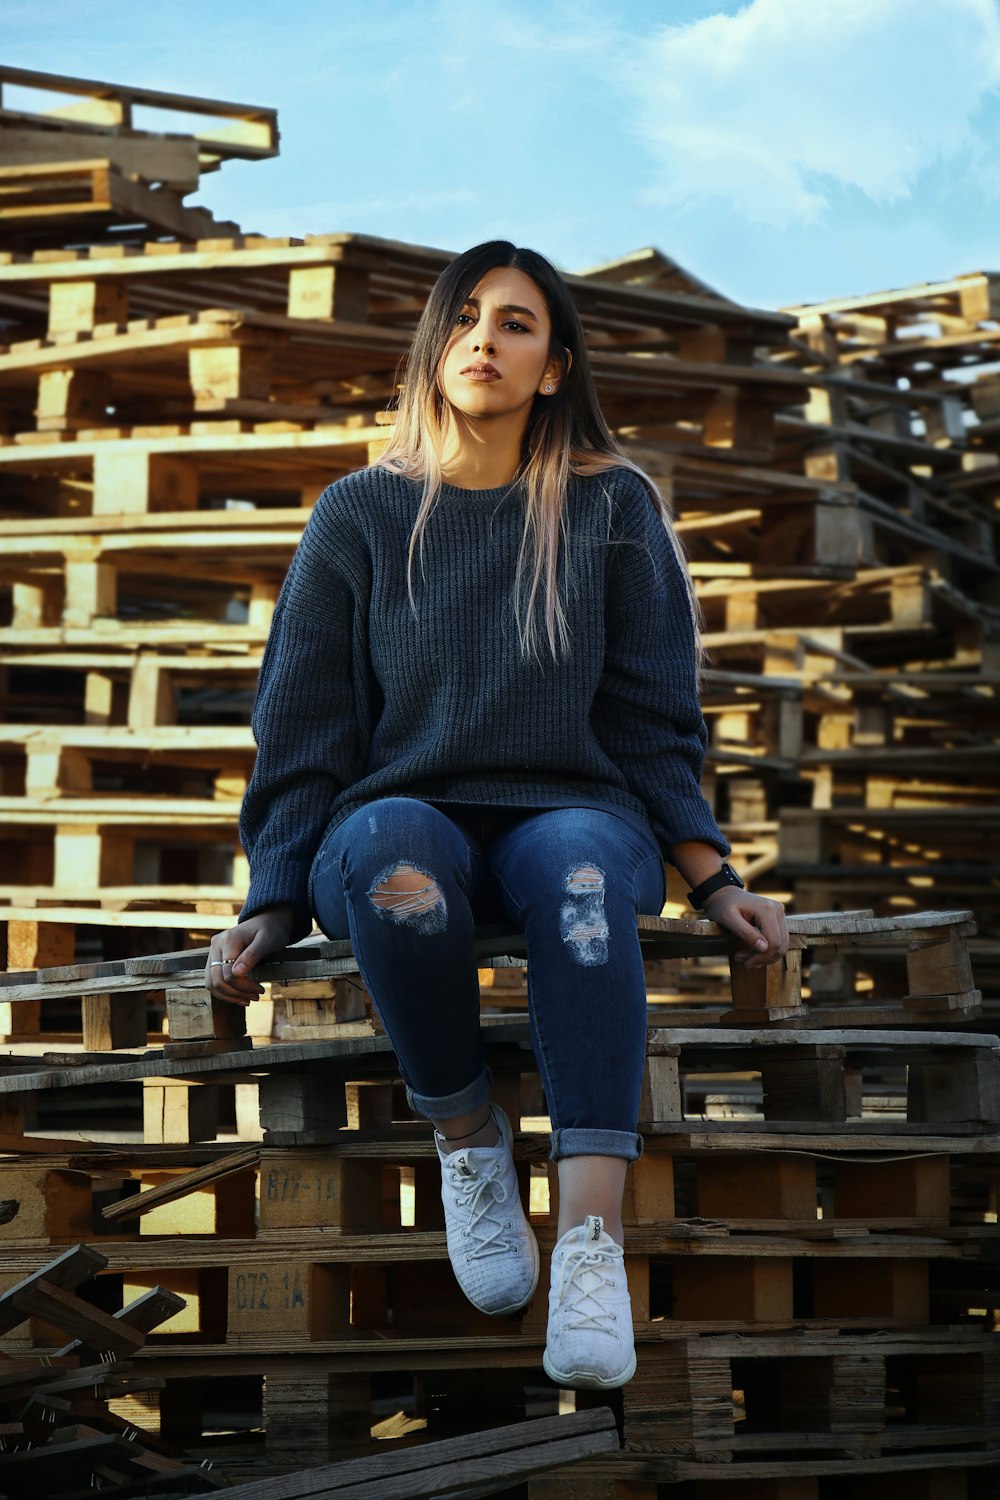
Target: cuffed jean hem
[(448, 1106), (587, 1142)]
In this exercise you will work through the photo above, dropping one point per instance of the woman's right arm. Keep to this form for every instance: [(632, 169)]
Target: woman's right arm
[(305, 725)]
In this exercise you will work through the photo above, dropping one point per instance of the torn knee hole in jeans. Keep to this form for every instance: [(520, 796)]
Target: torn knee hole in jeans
[(582, 923), (405, 894)]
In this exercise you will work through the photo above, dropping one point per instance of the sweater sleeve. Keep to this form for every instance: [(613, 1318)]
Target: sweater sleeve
[(305, 726), (647, 714)]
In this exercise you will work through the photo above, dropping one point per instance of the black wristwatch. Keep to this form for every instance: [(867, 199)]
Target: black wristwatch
[(726, 876)]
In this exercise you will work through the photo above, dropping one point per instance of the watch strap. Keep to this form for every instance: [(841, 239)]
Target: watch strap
[(726, 876)]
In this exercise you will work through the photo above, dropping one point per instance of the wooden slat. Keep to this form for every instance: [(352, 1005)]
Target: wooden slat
[(68, 1270), (169, 1192), (499, 1453)]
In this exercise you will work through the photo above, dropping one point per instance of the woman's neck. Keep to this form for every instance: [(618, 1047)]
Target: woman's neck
[(482, 455)]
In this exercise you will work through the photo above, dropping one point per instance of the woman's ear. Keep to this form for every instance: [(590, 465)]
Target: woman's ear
[(555, 373)]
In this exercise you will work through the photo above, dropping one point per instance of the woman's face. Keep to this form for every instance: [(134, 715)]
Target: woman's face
[(497, 359)]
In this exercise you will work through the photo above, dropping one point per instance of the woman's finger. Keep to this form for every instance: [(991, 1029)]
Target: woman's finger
[(238, 991), (757, 934), (758, 922), (253, 953), (770, 919), (224, 982)]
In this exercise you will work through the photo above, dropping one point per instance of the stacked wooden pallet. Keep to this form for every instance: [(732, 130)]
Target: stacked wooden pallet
[(905, 763), (809, 1232), (77, 165)]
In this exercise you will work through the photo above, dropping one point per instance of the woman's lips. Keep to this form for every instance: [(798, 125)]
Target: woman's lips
[(481, 372)]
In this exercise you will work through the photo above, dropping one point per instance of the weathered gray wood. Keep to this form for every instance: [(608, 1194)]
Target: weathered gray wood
[(853, 1037), (808, 1084), (143, 1314), (962, 1087), (301, 1109), (325, 958), (68, 1270), (661, 1098), (440, 1468), (44, 1299)]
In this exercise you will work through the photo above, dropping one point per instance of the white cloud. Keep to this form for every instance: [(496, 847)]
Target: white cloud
[(772, 108)]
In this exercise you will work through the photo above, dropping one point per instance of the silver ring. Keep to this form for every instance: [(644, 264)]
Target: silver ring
[(219, 963)]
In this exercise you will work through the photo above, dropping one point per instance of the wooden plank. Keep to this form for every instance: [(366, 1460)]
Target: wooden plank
[(66, 1271), (44, 1299), (173, 162), (259, 125), (351, 1051), (59, 1463), (685, 937), (435, 1468), (179, 1187), (143, 1314)]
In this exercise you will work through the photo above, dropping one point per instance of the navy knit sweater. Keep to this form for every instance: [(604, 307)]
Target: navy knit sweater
[(358, 699)]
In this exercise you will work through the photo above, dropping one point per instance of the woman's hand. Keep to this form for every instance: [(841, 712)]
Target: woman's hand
[(757, 920), (235, 954)]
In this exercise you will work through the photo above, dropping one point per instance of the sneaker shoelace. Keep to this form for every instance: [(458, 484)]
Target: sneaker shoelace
[(478, 1196), (579, 1267)]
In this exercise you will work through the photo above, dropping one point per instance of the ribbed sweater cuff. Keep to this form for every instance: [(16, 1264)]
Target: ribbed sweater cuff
[(285, 885), (683, 818)]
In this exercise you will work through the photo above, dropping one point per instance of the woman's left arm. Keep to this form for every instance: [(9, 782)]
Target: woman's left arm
[(648, 717), (758, 920)]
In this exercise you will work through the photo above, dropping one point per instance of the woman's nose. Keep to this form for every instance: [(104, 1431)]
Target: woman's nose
[(483, 343)]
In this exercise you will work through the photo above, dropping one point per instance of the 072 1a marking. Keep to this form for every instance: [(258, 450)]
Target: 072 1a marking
[(259, 1291), (284, 1186)]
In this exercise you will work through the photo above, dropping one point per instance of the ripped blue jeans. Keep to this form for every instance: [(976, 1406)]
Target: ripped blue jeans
[(407, 881)]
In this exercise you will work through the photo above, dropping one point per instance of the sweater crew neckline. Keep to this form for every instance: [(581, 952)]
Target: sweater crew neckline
[(459, 492)]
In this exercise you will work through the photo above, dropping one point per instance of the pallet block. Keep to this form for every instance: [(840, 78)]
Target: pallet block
[(896, 1290), (916, 1190), (173, 1110), (298, 1302), (748, 1290), (309, 1190), (44, 1207), (32, 945), (313, 1418), (755, 1187)]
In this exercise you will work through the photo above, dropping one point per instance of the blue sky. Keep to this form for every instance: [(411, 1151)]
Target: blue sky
[(783, 150)]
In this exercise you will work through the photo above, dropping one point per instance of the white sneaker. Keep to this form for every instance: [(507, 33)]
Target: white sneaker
[(590, 1341), (491, 1245)]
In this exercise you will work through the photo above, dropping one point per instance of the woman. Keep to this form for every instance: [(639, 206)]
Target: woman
[(479, 701)]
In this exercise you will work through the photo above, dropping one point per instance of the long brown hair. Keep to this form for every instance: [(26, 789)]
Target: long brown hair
[(566, 435)]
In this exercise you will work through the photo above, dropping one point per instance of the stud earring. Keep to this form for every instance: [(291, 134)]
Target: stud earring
[(549, 389)]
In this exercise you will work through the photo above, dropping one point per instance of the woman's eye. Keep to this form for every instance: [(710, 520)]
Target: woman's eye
[(464, 318), (516, 327)]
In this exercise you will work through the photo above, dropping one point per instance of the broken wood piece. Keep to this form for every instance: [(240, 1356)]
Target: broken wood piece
[(179, 1187), (44, 1299)]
